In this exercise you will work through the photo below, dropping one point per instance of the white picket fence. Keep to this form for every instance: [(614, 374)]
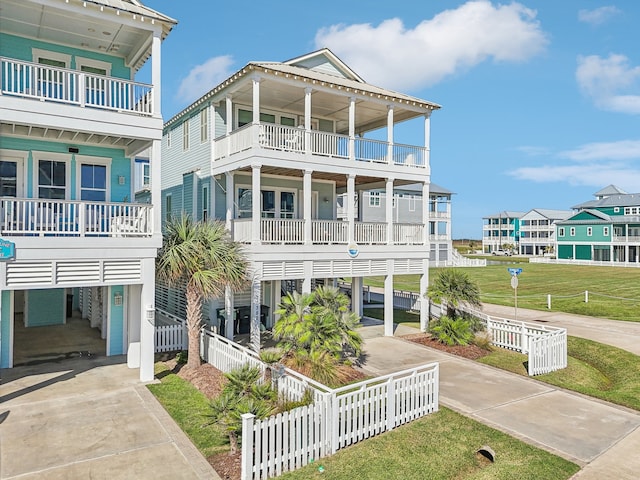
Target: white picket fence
[(171, 336), (341, 418), (336, 418)]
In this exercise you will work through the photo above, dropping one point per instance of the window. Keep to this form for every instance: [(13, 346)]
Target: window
[(605, 231), (146, 175), (275, 203), (616, 209), (561, 232), (205, 202), (185, 135), (631, 210), (167, 207), (169, 138), (572, 232), (589, 231), (93, 182), (204, 124), (8, 179), (52, 179), (412, 203), (374, 199)]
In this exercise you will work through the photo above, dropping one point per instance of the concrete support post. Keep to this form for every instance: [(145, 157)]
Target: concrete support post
[(356, 295), (156, 192), (147, 322), (388, 300), (230, 320)]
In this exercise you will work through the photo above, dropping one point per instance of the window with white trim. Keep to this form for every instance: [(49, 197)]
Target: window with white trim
[(374, 199), (205, 202), (589, 231), (52, 179), (605, 231), (185, 135), (631, 210), (204, 124), (146, 175), (561, 232), (93, 182), (572, 232)]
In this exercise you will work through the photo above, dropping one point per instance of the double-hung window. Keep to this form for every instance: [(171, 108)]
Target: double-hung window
[(52, 179), (93, 182)]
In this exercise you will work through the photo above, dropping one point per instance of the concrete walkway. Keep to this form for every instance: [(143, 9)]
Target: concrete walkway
[(89, 418), (601, 437)]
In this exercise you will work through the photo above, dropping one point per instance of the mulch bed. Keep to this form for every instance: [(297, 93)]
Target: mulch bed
[(472, 352)]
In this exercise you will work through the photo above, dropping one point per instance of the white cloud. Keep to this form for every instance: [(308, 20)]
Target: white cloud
[(393, 56), (599, 15), (533, 151), (204, 77), (593, 164), (611, 82)]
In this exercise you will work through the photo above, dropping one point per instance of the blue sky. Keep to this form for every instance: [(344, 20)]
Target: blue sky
[(540, 99)]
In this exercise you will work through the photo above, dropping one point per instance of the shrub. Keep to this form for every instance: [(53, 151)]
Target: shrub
[(483, 340), (455, 331)]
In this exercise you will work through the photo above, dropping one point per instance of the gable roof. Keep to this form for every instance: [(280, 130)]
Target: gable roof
[(585, 217), (550, 214), (623, 200), (328, 55), (609, 190), (506, 214)]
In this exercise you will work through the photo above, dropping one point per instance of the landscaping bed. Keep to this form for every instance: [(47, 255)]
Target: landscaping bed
[(470, 351)]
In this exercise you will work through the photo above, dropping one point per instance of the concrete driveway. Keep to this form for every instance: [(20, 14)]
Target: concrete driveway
[(89, 418)]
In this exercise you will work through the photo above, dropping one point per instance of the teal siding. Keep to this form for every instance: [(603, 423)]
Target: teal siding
[(565, 252), (21, 49), (45, 307), (583, 252), (120, 165), (5, 329), (116, 323)]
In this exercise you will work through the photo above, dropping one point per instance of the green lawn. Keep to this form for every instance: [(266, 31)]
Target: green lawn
[(188, 407), (439, 446), (613, 292), (410, 319), (594, 369)]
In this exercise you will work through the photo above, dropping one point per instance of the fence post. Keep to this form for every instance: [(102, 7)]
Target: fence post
[(391, 404), (586, 296), (548, 301), (247, 446), (523, 339), (335, 427)]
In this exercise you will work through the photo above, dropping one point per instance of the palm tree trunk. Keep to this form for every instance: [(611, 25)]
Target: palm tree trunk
[(194, 322)]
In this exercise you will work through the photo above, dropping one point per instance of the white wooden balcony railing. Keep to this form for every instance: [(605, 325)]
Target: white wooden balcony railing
[(65, 218), (294, 139), (626, 238), (46, 83), (325, 232)]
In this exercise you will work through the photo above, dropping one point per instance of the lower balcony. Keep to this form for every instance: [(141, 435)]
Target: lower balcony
[(66, 218), (326, 232)]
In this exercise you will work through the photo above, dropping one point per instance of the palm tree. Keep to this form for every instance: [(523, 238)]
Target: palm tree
[(203, 256), (454, 288)]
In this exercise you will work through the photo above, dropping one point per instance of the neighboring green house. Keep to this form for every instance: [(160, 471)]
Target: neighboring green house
[(606, 229)]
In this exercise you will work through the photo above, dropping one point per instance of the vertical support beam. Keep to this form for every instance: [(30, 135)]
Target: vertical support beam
[(356, 295), (229, 327), (147, 322), (156, 192), (352, 128), (307, 119), (308, 273), (256, 109), (427, 140), (425, 215), (156, 73), (229, 125), (256, 295), (256, 204), (229, 197), (424, 301), (212, 138), (389, 211), (388, 300), (306, 205), (390, 134), (277, 298), (351, 187)]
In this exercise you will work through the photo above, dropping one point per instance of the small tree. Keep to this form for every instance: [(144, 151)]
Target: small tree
[(454, 288), (203, 256)]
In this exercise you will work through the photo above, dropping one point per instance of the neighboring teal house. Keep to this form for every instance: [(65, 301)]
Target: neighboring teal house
[(606, 229), (269, 150), (73, 118), (501, 230)]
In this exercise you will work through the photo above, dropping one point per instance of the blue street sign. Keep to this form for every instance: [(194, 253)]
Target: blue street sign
[(515, 271)]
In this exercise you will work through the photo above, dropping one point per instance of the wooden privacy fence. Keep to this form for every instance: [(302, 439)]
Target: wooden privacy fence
[(340, 418), (336, 418)]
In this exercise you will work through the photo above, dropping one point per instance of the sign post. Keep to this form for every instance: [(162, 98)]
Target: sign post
[(514, 284)]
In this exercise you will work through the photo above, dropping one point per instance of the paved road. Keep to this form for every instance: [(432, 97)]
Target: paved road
[(602, 438)]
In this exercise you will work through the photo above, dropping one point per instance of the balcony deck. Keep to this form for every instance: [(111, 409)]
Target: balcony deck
[(64, 218), (52, 84), (291, 139), (326, 232)]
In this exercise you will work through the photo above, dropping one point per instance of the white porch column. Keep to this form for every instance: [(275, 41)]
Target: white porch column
[(427, 139), (306, 206), (307, 119), (388, 300), (229, 197), (156, 73), (356, 295), (424, 301), (229, 125), (277, 296), (256, 204), (156, 192), (425, 215), (212, 138), (352, 128), (256, 99), (351, 187), (308, 273), (229, 316), (147, 320), (256, 295), (390, 134), (388, 217)]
